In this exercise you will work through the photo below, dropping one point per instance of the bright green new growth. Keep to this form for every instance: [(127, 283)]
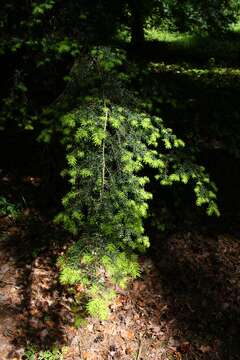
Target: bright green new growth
[(7, 208), (108, 147), (32, 353), (98, 274)]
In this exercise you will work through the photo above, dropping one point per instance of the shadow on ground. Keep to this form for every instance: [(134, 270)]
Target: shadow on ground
[(34, 305), (199, 277)]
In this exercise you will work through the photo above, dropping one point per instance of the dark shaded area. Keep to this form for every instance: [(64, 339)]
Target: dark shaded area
[(201, 105), (199, 275), (31, 246), (30, 175)]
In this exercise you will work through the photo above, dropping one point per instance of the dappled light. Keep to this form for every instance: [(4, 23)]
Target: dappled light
[(119, 180)]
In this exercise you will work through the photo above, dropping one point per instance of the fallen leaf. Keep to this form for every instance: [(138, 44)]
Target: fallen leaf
[(129, 351), (88, 356), (139, 286), (184, 347), (127, 334), (50, 323), (205, 348)]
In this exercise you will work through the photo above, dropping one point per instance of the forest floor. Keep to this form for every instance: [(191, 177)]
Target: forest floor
[(185, 306)]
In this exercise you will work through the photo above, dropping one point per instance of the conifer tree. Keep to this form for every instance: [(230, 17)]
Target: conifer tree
[(109, 142)]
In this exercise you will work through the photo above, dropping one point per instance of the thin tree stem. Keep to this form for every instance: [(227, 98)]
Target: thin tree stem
[(103, 157)]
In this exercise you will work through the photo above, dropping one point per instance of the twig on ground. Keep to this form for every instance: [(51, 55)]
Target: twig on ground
[(139, 348)]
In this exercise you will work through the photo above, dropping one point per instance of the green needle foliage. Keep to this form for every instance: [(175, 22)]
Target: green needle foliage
[(32, 353), (108, 147), (7, 208)]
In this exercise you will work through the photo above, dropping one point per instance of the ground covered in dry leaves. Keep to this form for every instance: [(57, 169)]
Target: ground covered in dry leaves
[(185, 306)]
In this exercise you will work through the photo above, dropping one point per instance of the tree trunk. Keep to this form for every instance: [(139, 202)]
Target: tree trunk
[(137, 21)]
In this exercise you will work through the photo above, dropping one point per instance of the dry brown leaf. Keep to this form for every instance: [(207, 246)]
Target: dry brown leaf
[(34, 312), (51, 324), (127, 334), (130, 335), (129, 351), (139, 286), (35, 324), (205, 348), (88, 356), (79, 288), (184, 347)]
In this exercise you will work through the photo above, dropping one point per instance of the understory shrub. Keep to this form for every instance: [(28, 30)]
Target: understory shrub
[(109, 146)]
